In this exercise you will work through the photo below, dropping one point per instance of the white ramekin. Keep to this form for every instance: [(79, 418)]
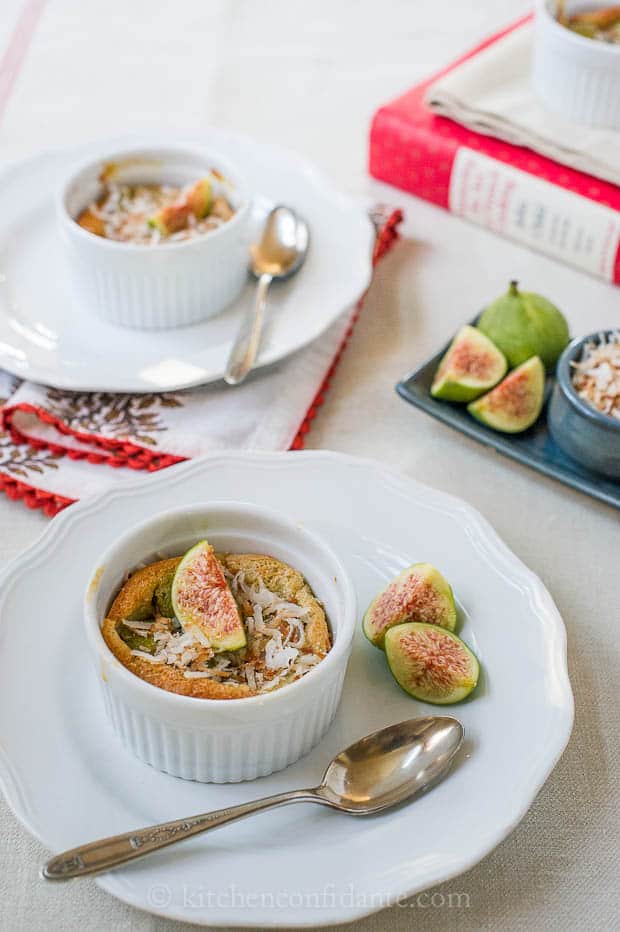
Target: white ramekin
[(159, 286), (576, 77), (223, 740)]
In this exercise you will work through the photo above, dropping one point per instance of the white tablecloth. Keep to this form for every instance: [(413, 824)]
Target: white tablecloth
[(310, 76)]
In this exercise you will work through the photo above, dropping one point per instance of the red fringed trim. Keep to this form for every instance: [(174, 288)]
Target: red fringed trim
[(117, 452), (50, 503), (123, 453)]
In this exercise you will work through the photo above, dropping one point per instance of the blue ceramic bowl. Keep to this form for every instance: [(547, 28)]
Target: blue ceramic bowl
[(583, 433)]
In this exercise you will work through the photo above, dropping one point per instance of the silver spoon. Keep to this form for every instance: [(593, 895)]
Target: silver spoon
[(379, 771), (278, 255)]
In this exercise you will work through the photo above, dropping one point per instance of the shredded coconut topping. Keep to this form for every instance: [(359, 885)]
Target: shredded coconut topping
[(276, 651), (124, 213), (596, 376)]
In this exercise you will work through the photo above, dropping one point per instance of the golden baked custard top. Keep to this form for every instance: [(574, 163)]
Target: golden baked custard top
[(259, 606)]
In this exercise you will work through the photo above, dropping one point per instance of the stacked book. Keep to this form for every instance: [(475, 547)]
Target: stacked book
[(512, 190)]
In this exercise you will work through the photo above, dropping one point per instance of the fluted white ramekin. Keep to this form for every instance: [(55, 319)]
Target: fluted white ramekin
[(576, 77), (160, 286), (223, 740)]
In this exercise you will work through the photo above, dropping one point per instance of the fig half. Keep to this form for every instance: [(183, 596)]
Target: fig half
[(471, 366), (419, 593), (430, 663), (515, 404), (201, 599)]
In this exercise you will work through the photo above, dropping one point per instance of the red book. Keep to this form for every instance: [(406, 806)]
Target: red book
[(509, 189)]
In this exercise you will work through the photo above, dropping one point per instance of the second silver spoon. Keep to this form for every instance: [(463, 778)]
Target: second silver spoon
[(278, 255)]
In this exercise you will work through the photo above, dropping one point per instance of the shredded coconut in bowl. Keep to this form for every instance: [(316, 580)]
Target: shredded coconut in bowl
[(277, 651), (596, 376)]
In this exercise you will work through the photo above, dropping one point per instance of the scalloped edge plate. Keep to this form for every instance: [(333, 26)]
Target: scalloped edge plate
[(45, 338), (69, 780)]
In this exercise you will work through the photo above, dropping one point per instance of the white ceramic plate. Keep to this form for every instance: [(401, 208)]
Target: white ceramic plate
[(69, 781), (45, 337)]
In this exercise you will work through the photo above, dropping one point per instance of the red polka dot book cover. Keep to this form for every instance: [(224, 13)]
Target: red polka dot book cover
[(511, 190)]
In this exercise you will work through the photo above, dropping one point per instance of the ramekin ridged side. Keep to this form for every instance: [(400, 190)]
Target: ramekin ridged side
[(145, 293), (211, 756), (162, 286), (576, 77), (223, 741)]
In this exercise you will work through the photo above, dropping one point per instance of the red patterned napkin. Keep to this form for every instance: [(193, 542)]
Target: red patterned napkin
[(53, 444)]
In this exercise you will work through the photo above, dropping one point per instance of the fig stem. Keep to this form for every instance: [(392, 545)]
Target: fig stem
[(514, 288)]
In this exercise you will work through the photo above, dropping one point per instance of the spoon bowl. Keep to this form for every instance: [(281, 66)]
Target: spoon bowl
[(283, 246), (392, 765)]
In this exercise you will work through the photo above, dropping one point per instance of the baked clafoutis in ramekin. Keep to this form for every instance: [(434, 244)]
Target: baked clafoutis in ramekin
[(220, 635), (156, 238)]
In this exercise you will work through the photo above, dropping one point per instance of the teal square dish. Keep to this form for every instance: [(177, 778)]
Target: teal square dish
[(536, 447)]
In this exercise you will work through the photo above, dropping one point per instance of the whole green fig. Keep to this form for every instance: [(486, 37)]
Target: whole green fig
[(523, 324)]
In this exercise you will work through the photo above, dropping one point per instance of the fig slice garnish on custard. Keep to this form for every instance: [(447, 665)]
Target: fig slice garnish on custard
[(202, 600)]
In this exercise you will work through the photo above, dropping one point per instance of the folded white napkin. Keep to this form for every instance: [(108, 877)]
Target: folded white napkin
[(490, 93), (265, 413)]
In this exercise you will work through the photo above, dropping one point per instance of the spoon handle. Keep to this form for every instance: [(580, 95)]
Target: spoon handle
[(245, 347), (110, 852)]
